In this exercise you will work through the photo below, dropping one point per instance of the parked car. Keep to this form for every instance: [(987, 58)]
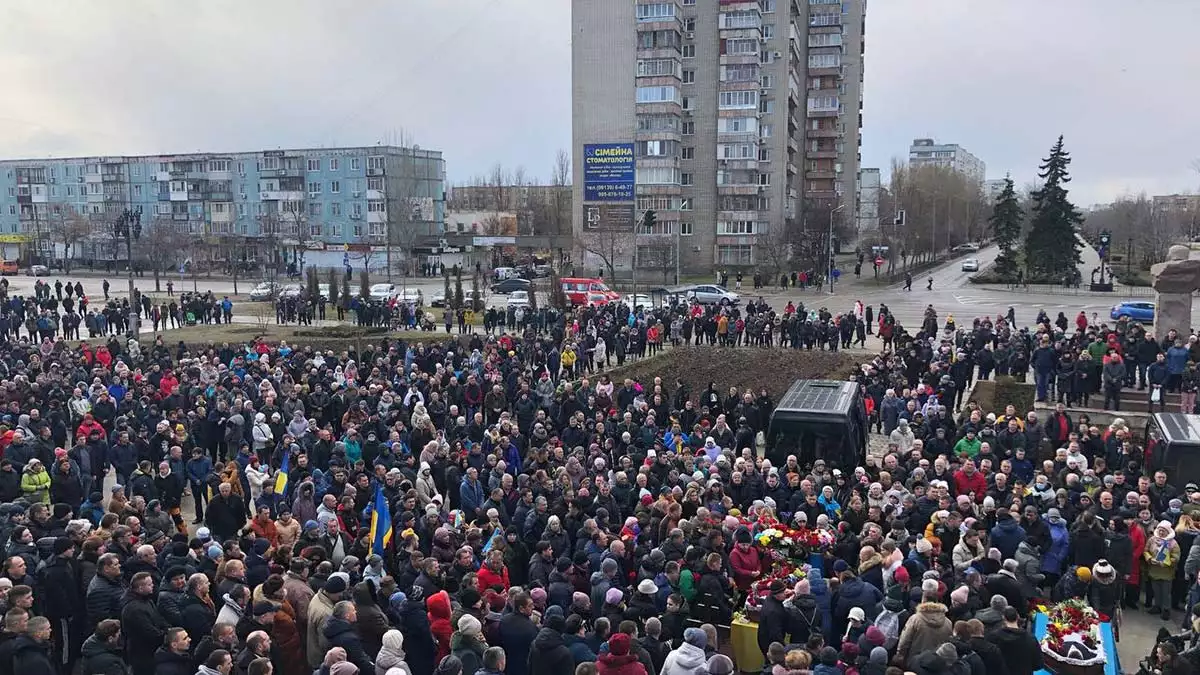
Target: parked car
[(291, 291), (38, 271), (323, 291), (969, 247), (637, 300), (382, 292), (411, 296), (970, 265), (518, 299), (711, 294), (1136, 311), (509, 285), (439, 298), (264, 291)]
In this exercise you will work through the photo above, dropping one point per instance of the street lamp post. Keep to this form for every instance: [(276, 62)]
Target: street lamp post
[(129, 225), (830, 244)]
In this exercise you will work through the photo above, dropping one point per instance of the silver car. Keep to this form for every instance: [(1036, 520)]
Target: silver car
[(970, 265), (263, 291), (711, 294)]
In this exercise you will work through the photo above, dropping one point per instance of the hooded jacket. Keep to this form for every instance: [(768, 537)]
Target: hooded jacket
[(548, 654), (687, 660), (439, 622), (926, 629)]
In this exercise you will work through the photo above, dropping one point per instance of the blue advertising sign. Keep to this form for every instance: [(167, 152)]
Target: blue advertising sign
[(609, 172)]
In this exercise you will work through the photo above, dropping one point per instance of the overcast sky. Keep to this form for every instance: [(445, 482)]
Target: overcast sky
[(489, 80)]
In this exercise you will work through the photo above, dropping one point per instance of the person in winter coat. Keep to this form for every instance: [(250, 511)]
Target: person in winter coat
[(618, 660), (102, 653), (1022, 653), (31, 651), (467, 643), (35, 482), (1054, 556), (548, 654), (1029, 562), (517, 633), (392, 654), (937, 661), (854, 593), (340, 632), (773, 621), (689, 658), (1087, 541), (372, 623), (1007, 534), (439, 622), (420, 645), (926, 629), (744, 560), (1162, 557), (141, 624), (319, 611)]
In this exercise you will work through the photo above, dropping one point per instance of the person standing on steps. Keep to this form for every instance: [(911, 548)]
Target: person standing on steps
[(908, 281)]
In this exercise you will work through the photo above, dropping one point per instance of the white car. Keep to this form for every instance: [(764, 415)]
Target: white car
[(711, 294), (518, 299), (382, 292), (637, 300), (323, 291), (970, 265), (38, 271), (263, 291), (439, 298), (411, 296), (291, 291)]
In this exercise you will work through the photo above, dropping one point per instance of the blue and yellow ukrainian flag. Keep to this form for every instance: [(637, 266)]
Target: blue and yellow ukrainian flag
[(381, 523), (281, 478)]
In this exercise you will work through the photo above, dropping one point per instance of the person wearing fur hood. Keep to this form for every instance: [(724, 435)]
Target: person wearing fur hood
[(1162, 557), (925, 630)]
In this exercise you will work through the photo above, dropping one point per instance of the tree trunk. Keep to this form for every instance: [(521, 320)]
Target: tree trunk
[(156, 287)]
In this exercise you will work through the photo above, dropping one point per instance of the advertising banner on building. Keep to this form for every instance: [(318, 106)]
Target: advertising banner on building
[(608, 217), (609, 172)]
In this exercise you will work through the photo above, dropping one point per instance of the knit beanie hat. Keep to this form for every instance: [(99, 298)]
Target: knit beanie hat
[(719, 664), (948, 652), (695, 637)]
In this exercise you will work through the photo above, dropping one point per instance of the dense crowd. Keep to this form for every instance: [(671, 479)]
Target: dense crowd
[(494, 503)]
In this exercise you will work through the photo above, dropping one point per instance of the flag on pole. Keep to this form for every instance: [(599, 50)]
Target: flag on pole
[(381, 523), (281, 478)]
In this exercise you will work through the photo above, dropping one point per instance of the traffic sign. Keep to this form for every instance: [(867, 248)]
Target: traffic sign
[(878, 261)]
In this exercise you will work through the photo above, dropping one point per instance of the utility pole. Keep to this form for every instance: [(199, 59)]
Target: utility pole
[(129, 225), (830, 246)]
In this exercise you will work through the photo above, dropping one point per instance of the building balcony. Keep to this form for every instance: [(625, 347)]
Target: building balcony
[(669, 108), (822, 133), (658, 136), (197, 175), (219, 196), (374, 172), (112, 177), (282, 173), (664, 23), (741, 33), (753, 216), (739, 86), (828, 195), (835, 71), (739, 189), (658, 190), (195, 196), (821, 154), (658, 162), (739, 59), (737, 137), (738, 164), (659, 53), (179, 216), (821, 112), (819, 175)]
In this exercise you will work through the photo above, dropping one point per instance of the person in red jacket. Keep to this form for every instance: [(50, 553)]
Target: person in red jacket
[(438, 605), (493, 573), (88, 425), (969, 482), (745, 561), (618, 660), (167, 384)]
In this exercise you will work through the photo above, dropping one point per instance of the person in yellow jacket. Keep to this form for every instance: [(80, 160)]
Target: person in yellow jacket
[(722, 329), (1162, 556), (35, 482), (567, 360)]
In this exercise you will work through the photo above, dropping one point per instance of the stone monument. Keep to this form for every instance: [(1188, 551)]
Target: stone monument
[(1174, 282)]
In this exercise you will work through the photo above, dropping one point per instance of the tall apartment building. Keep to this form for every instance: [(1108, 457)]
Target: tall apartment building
[(926, 152), (260, 205), (740, 114)]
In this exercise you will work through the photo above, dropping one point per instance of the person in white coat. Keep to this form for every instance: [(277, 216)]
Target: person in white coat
[(256, 474), (263, 436), (689, 659)]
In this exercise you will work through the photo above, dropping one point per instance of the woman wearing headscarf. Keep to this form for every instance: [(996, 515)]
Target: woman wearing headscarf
[(391, 655), (1162, 556)]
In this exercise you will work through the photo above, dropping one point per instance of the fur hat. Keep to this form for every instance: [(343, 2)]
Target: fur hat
[(1103, 571)]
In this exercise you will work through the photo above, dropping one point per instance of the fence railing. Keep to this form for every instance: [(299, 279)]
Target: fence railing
[(1117, 293)]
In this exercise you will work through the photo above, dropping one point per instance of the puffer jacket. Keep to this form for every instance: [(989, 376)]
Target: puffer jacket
[(687, 660)]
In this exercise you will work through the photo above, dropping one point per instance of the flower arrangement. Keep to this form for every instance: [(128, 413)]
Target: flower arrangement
[(786, 572), (1071, 618)]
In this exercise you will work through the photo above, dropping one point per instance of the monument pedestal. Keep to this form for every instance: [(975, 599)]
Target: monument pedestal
[(1174, 310)]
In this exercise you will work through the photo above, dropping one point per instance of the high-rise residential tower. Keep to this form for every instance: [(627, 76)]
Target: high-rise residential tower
[(732, 120)]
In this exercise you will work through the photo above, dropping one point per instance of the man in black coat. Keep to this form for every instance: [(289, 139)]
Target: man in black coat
[(173, 658), (549, 655), (142, 624), (62, 599), (419, 646), (340, 631), (104, 592), (102, 653), (517, 634), (1022, 653), (773, 617), (226, 513), (31, 651)]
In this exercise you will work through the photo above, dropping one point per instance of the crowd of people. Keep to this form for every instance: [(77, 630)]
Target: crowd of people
[(494, 503)]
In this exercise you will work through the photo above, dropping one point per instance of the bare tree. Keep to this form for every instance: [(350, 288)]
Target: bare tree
[(68, 227), (161, 245), (943, 208), (775, 251), (270, 230), (296, 229), (610, 246)]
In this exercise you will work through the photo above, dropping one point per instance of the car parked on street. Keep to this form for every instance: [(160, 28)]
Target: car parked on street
[(1141, 311), (970, 265), (518, 299), (382, 292), (711, 294), (263, 291), (511, 284)]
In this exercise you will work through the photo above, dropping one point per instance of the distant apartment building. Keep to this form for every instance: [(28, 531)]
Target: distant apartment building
[(539, 209), (926, 152), (727, 118), (1175, 203), (309, 205), (869, 188), (993, 188)]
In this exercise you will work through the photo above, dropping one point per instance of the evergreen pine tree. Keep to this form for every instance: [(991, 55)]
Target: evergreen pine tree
[(1006, 228), (476, 300), (1052, 246), (334, 296), (364, 285), (446, 296), (458, 289)]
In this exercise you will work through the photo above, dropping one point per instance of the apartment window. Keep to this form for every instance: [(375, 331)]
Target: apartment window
[(137, 190), (656, 11), (376, 229), (354, 164), (70, 191), (737, 125), (335, 209), (735, 227), (767, 6), (137, 170), (241, 167), (659, 39), (685, 204), (333, 164), (689, 128), (687, 103), (741, 19), (826, 19), (356, 209), (314, 208), (358, 230), (66, 171), (685, 229), (737, 254), (270, 163), (823, 103), (213, 165), (657, 148), (658, 95), (764, 155), (655, 203), (314, 188), (734, 47), (241, 209), (375, 162), (687, 153), (689, 51), (658, 175), (658, 68), (745, 72), (689, 77), (686, 179), (220, 207), (764, 179), (689, 24), (768, 30), (658, 123), (736, 151), (314, 165), (12, 209), (314, 229), (335, 230), (824, 39), (335, 186), (357, 185), (824, 60), (766, 130), (767, 81), (729, 100), (688, 3), (12, 192), (824, 2), (766, 106), (374, 183), (375, 206)]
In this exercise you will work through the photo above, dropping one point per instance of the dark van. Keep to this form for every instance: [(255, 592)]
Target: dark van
[(819, 419), (1173, 445)]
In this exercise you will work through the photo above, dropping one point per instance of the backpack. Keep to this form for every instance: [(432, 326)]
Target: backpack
[(888, 622)]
